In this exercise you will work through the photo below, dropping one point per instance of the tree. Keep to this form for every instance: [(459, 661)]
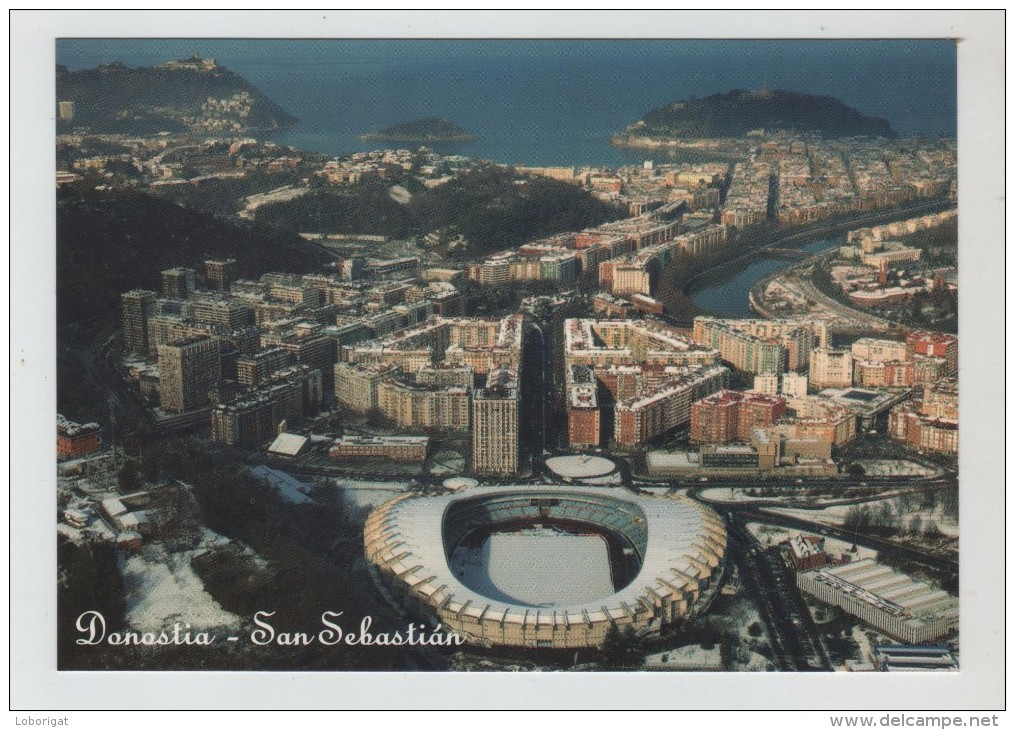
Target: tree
[(129, 477), (622, 649), (855, 470), (727, 653)]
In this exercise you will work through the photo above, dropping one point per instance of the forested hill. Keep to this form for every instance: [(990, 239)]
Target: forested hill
[(738, 112), (172, 97), (107, 244), (492, 208)]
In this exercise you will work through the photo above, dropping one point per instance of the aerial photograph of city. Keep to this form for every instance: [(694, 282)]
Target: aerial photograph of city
[(507, 355)]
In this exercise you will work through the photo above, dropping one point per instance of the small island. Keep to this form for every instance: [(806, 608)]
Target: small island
[(428, 129)]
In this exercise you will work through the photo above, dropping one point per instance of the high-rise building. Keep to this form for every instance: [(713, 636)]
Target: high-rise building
[(830, 368), (178, 282), (138, 305), (225, 312), (220, 273), (868, 348), (187, 369), (65, 110), (256, 369), (245, 422), (495, 424)]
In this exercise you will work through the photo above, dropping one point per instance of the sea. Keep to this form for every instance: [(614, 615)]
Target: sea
[(549, 102)]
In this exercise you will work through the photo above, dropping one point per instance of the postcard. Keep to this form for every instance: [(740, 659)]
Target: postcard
[(434, 355)]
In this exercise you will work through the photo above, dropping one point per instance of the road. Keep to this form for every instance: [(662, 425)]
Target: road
[(796, 645)]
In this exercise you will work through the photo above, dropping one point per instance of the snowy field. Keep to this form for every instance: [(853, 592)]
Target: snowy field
[(368, 494), (536, 568), (161, 589), (773, 535), (835, 516), (895, 468)]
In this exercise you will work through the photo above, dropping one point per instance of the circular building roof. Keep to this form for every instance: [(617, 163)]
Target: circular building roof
[(681, 544), (580, 467)]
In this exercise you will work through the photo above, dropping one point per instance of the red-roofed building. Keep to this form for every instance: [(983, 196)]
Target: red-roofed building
[(730, 415), (936, 344), (75, 439)]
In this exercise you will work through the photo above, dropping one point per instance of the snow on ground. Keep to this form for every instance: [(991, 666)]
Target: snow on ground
[(949, 526), (446, 462), (773, 535), (832, 516), (726, 494), (538, 567), (609, 480), (161, 589), (661, 491), (368, 494), (755, 663), (835, 515), (895, 468), (686, 658), (289, 488)]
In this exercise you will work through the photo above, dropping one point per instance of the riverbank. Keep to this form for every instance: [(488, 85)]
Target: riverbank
[(800, 236), (792, 294), (725, 288)]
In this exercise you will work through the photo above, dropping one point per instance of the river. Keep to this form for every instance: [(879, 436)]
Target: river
[(725, 293)]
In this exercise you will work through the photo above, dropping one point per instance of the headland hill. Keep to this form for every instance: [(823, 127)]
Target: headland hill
[(740, 113), (427, 129), (190, 95)]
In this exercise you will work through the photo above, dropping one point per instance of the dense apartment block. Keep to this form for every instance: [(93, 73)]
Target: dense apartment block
[(420, 406), (666, 406), (178, 282), (758, 345), (731, 416), (584, 422), (936, 344), (356, 384), (606, 343), (930, 423), (256, 369), (187, 369), (220, 273), (247, 421)]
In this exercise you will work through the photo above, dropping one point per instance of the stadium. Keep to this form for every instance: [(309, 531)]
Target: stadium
[(546, 567)]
